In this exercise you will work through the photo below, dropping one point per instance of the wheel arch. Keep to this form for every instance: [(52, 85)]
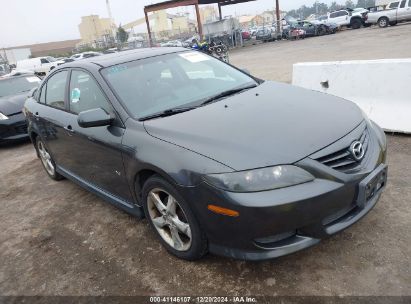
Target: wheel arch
[(143, 175), (383, 17)]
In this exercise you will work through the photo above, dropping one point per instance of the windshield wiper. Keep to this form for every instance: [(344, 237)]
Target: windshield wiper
[(227, 93), (165, 113)]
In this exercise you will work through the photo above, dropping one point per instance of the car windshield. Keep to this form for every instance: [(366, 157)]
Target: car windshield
[(51, 59), (13, 86), (177, 80)]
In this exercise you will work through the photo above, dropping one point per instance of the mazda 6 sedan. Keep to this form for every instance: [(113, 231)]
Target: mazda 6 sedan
[(216, 160)]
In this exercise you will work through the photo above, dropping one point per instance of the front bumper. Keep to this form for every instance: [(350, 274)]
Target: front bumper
[(13, 129), (282, 221)]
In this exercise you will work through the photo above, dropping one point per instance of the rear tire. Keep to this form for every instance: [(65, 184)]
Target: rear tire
[(383, 22), (47, 161), (172, 219)]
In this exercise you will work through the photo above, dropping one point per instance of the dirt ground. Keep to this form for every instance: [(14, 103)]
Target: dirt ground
[(58, 239)]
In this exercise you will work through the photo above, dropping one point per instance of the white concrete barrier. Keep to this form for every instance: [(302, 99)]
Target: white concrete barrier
[(381, 88)]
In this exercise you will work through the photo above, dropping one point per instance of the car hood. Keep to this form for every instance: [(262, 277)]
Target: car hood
[(12, 104), (272, 124)]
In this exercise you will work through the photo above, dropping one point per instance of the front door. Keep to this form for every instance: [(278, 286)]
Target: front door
[(97, 151)]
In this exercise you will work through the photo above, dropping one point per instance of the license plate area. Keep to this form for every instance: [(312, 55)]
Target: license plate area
[(371, 185)]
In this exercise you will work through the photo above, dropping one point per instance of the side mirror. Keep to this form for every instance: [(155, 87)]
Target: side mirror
[(94, 118)]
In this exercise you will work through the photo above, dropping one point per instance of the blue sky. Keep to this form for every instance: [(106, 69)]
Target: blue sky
[(51, 20)]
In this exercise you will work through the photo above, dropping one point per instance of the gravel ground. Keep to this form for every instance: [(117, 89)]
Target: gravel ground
[(58, 239)]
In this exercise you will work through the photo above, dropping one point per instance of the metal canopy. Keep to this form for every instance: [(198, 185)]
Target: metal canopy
[(177, 3)]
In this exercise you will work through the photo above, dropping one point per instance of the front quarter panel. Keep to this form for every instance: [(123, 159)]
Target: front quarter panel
[(178, 165)]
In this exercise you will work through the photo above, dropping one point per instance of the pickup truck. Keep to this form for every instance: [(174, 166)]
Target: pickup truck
[(396, 11)]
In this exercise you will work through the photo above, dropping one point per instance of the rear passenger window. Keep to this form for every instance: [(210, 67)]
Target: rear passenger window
[(394, 5), (85, 94), (403, 3), (56, 87)]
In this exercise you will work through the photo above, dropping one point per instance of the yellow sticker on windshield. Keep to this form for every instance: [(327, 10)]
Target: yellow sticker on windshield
[(194, 56)]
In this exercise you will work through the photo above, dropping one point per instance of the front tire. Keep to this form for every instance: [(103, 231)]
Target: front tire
[(172, 219), (46, 160)]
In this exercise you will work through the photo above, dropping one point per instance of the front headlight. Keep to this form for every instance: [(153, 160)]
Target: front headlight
[(3, 117), (260, 179)]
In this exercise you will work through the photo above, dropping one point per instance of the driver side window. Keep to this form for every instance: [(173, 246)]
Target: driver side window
[(85, 94)]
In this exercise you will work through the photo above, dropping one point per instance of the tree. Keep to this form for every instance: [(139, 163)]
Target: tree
[(349, 4), (122, 35)]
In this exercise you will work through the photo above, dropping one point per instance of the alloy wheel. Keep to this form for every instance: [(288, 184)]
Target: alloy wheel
[(46, 158), (169, 219)]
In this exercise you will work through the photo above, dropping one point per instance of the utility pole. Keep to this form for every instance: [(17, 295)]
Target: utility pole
[(113, 30), (277, 13)]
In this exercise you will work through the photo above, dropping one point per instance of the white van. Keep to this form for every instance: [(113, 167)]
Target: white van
[(39, 65)]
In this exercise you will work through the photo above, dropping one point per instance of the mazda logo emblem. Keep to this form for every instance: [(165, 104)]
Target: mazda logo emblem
[(357, 150)]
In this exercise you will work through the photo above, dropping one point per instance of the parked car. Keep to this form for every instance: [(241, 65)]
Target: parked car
[(266, 34), (172, 43), (398, 11), (331, 27), (85, 55), (39, 65), (13, 93), (311, 28), (216, 159), (246, 35), (346, 17)]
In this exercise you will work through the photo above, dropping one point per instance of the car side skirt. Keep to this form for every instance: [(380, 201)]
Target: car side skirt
[(129, 207)]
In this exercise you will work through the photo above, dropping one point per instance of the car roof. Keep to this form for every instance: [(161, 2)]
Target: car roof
[(125, 56)]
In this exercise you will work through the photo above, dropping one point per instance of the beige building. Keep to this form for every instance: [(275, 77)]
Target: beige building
[(93, 28), (208, 14)]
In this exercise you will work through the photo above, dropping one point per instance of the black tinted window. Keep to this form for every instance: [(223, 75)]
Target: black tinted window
[(394, 5), (43, 60), (85, 94), (56, 87), (403, 3)]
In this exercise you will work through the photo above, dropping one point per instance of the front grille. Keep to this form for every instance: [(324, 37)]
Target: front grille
[(342, 160)]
